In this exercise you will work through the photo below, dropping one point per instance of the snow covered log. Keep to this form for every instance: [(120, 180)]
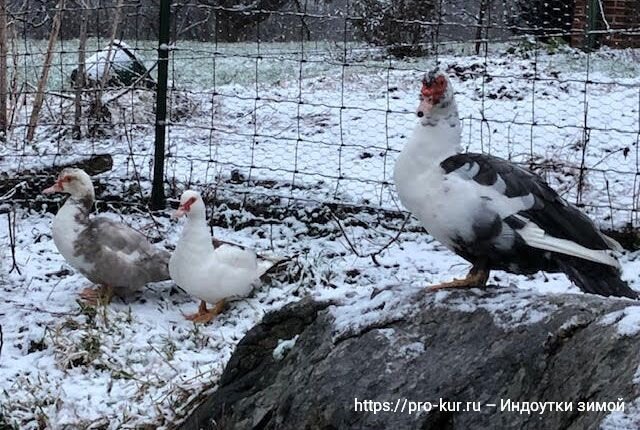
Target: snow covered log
[(305, 366), (29, 183)]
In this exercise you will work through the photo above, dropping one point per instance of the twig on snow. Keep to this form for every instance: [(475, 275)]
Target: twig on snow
[(374, 254)]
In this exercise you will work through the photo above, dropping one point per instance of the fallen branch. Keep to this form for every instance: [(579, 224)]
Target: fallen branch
[(36, 309), (96, 164), (12, 191), (12, 243), (28, 183), (132, 86), (51, 93), (374, 254)]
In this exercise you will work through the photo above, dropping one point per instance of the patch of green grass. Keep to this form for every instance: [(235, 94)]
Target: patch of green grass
[(169, 348), (89, 312), (203, 66), (91, 344)]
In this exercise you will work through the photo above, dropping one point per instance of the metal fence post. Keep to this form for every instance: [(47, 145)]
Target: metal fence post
[(593, 13), (157, 192)]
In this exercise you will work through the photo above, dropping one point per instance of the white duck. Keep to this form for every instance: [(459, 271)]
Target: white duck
[(211, 274), (110, 254)]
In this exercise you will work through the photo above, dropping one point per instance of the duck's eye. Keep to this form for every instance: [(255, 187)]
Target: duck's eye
[(68, 178)]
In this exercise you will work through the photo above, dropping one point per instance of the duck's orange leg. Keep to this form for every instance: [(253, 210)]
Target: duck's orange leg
[(205, 315), (477, 277), (100, 295)]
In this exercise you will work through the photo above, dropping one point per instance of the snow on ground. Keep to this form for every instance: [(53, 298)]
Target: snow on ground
[(270, 165)]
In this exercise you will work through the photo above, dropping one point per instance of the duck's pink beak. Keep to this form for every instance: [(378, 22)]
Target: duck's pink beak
[(179, 213), (55, 188), (184, 208)]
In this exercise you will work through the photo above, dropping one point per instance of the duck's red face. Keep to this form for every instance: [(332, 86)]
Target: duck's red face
[(61, 183), (432, 93), (184, 208)]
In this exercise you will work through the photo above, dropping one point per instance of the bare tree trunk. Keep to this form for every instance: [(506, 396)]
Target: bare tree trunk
[(97, 107), (3, 67), (302, 11), (80, 75), (16, 91), (114, 32), (483, 11), (42, 83)]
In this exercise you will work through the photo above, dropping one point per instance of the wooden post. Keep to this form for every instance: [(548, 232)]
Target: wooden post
[(157, 192), (80, 76)]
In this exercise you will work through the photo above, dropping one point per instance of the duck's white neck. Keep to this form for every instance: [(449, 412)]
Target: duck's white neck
[(71, 218), (75, 210), (196, 236), (435, 139)]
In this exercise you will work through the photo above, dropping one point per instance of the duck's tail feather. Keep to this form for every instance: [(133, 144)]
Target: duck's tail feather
[(596, 278)]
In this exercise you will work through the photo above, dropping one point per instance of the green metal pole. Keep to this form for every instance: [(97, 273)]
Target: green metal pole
[(157, 192), (593, 11)]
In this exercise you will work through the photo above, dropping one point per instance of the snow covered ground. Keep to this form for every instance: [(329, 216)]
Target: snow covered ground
[(270, 156)]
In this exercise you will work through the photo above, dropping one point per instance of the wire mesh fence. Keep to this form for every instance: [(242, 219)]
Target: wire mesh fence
[(297, 101)]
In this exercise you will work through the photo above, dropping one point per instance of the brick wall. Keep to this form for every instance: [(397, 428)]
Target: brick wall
[(579, 23), (620, 15)]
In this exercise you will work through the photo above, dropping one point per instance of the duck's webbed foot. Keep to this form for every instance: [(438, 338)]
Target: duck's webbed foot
[(100, 295), (205, 315), (477, 277)]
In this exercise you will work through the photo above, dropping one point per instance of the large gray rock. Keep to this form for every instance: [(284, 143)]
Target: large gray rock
[(460, 346)]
